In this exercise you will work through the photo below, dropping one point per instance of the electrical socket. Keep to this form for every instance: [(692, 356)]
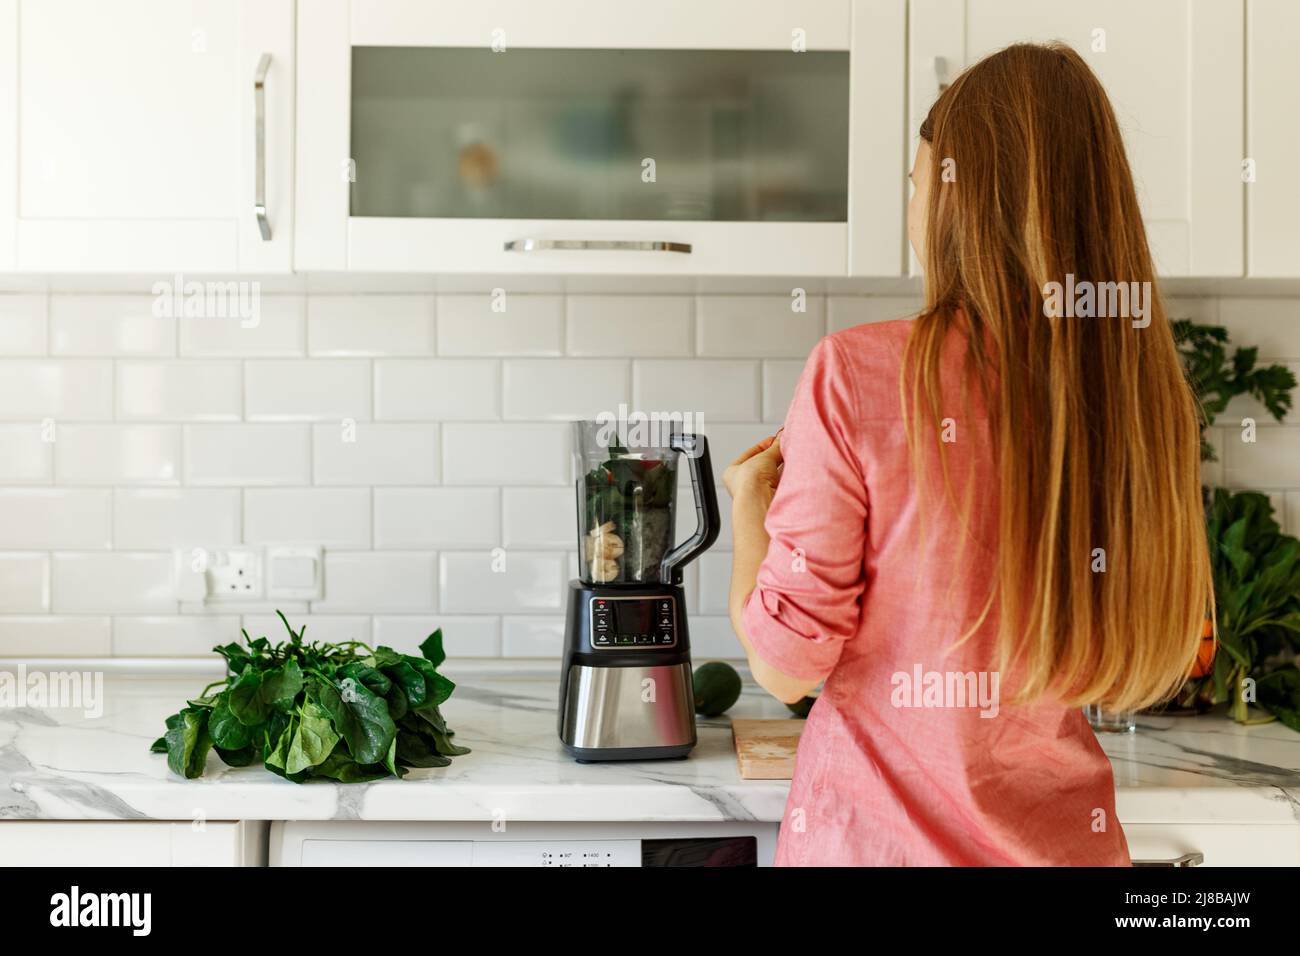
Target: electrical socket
[(228, 575)]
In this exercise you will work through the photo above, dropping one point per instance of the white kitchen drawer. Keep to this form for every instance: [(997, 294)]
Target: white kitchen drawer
[(132, 843)]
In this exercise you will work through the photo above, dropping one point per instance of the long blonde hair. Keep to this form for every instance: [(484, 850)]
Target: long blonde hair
[(1093, 427)]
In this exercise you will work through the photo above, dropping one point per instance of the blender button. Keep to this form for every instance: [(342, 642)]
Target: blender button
[(645, 639), (602, 639), (665, 638)]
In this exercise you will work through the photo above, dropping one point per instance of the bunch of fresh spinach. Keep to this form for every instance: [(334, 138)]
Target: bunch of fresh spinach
[(340, 711)]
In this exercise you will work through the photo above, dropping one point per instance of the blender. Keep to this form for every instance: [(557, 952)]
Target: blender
[(625, 685)]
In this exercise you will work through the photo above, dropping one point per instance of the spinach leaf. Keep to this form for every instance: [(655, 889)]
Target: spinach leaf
[(432, 648), (245, 699), (237, 758), (313, 741), (228, 732), (188, 743), (281, 685), (360, 717)]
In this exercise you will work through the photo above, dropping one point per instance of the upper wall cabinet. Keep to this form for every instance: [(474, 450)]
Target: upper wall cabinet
[(141, 136), (1273, 138), (1174, 70), (729, 137)]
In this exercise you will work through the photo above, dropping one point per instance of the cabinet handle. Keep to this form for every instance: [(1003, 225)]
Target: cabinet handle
[(941, 72), (622, 245), (1187, 859), (259, 146)]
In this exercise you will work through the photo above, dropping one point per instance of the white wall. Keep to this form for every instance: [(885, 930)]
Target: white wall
[(199, 433)]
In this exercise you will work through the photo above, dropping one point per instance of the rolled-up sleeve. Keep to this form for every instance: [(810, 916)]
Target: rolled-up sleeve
[(806, 602)]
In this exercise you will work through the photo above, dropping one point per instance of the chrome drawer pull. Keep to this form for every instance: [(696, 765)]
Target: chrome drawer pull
[(1187, 859), (583, 245)]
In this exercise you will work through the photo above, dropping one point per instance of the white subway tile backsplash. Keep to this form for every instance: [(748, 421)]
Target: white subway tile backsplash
[(1272, 461), (324, 517), (714, 582), (462, 636), (24, 583), (109, 325), (532, 636), (316, 390), (279, 330), (712, 638), (526, 324), (247, 454), (118, 455), (846, 311), (437, 518), (54, 518), (49, 636), (1272, 325), (539, 518), (564, 389), (369, 454), (22, 324), (779, 380), (454, 507), (370, 325), (123, 582), (720, 391), (26, 457), (506, 454), (629, 326), (165, 518), (368, 582), (758, 326), (445, 390), (334, 629), (62, 390), (509, 581), (190, 391), (178, 635)]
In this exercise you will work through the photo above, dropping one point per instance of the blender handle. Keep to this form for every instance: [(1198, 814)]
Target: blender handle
[(708, 520)]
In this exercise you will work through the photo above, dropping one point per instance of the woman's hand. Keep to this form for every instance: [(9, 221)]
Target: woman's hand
[(757, 471)]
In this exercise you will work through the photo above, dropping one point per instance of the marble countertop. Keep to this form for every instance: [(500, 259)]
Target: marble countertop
[(62, 764)]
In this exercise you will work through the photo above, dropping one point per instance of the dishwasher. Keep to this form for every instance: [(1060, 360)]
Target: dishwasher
[(651, 844)]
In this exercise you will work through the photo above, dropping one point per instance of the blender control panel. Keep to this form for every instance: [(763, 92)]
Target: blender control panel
[(633, 623)]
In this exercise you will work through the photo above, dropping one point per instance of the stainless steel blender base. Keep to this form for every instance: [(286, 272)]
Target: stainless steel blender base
[(628, 713)]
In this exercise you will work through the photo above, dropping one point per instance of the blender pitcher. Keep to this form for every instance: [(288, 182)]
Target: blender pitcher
[(627, 489)]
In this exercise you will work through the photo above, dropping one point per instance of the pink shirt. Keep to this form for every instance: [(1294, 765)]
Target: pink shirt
[(897, 765)]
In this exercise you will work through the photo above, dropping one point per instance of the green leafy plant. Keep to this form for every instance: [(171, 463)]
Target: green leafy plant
[(1256, 568), (339, 711), (1257, 591), (1218, 379)]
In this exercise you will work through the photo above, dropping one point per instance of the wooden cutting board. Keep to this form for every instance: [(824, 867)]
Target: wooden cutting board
[(765, 748)]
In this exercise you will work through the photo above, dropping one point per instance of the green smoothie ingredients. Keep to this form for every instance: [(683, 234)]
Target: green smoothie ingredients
[(629, 514), (338, 711)]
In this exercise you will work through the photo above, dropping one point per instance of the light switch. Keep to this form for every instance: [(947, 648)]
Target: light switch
[(293, 573)]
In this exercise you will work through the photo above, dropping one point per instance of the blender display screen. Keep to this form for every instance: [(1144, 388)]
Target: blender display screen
[(633, 617)]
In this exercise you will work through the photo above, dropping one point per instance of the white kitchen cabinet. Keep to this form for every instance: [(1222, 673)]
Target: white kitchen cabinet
[(128, 135), (1175, 72), (732, 137), (1273, 138), (1230, 844), (133, 843)]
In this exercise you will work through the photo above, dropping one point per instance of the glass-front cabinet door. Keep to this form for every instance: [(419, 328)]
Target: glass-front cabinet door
[(601, 137)]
